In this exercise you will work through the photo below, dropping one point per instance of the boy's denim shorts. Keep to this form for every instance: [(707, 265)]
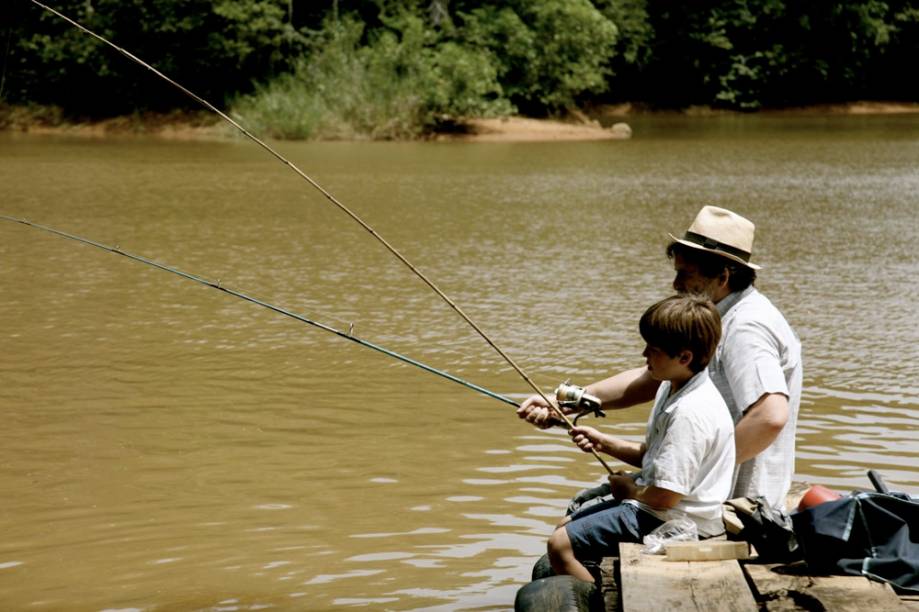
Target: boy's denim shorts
[(595, 532)]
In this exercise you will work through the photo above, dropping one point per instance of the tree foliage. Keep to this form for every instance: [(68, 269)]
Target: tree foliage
[(378, 63), (219, 46), (750, 53)]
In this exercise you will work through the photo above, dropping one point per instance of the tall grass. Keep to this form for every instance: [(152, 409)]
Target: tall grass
[(396, 86)]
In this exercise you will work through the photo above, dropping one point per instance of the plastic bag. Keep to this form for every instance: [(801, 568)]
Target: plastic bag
[(675, 530)]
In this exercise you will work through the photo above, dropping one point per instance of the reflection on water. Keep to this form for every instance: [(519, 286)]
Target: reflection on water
[(167, 446)]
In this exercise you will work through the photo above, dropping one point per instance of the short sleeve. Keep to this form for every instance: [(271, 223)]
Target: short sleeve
[(752, 364), (678, 456)]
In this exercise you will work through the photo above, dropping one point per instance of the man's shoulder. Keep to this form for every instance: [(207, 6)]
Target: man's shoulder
[(752, 303), (754, 310)]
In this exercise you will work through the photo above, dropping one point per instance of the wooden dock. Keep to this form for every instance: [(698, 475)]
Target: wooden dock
[(650, 583), (635, 582)]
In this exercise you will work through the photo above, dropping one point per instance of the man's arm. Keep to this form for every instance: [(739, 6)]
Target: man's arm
[(760, 426), (628, 388)]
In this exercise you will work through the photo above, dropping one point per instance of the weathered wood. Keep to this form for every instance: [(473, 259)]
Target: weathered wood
[(783, 588), (609, 583), (707, 550), (649, 582)]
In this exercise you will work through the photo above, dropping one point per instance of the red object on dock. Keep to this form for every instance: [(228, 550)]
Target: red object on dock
[(817, 495)]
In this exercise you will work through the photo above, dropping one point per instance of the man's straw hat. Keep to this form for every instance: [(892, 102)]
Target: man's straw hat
[(721, 232)]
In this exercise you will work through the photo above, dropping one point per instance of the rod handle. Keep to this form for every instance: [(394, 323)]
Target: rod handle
[(878, 481)]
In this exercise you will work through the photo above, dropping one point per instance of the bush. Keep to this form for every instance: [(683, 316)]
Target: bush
[(549, 53), (398, 84)]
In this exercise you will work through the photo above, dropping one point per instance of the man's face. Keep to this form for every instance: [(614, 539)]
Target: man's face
[(689, 279)]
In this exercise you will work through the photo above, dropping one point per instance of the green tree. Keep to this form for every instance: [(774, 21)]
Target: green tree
[(749, 53), (548, 54), (216, 47)]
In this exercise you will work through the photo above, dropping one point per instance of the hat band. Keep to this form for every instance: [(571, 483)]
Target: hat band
[(708, 243)]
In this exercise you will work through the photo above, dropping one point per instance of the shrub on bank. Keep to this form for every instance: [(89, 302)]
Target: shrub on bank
[(408, 76), (397, 84)]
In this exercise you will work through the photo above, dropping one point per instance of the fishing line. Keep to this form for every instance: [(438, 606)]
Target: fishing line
[(338, 205), (347, 335)]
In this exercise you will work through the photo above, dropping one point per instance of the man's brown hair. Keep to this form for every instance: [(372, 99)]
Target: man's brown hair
[(683, 323), (711, 265)]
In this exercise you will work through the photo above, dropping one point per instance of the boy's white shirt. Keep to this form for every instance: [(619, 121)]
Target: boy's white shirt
[(690, 451)]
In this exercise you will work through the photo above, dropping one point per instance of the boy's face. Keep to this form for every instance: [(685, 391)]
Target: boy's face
[(664, 367)]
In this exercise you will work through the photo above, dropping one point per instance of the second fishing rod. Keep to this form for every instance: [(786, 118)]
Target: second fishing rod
[(335, 202)]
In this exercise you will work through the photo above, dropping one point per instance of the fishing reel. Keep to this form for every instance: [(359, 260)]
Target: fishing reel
[(576, 399)]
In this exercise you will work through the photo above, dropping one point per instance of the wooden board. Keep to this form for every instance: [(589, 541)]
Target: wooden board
[(650, 583), (609, 583), (707, 550), (911, 602), (783, 588)]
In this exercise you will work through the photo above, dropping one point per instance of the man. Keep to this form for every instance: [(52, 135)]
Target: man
[(756, 367)]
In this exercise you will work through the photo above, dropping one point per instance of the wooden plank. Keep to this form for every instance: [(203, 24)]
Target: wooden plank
[(788, 587), (609, 583), (707, 550), (650, 583)]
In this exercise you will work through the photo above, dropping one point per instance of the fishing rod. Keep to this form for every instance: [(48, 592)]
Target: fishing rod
[(347, 335), (334, 201)]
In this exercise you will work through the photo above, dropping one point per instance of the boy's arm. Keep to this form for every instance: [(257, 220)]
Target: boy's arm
[(624, 487), (588, 438)]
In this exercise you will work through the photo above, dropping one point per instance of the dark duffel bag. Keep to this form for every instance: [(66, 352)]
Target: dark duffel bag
[(867, 534)]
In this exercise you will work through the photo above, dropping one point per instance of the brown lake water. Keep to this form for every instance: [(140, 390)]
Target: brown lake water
[(168, 447)]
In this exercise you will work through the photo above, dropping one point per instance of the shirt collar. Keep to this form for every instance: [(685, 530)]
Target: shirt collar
[(731, 300), (671, 402)]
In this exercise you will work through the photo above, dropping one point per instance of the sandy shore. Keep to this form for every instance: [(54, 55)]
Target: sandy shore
[(521, 129), (200, 125), (208, 127)]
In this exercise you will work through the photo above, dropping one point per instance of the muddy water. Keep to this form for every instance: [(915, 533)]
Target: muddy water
[(167, 447)]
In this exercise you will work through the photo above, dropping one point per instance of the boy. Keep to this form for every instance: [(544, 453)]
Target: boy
[(687, 459)]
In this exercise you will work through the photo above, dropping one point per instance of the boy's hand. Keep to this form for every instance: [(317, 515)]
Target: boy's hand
[(536, 412), (587, 438), (622, 486)]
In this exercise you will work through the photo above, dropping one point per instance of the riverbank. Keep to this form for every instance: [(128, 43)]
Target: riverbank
[(203, 125), (197, 125)]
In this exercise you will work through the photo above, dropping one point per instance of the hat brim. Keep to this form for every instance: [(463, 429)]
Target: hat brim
[(699, 247)]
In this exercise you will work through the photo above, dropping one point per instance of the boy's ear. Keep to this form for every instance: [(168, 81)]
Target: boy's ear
[(686, 357)]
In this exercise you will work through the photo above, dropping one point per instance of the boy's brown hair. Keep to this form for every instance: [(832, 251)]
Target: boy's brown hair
[(683, 323)]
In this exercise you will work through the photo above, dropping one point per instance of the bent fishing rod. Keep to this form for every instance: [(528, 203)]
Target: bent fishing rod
[(335, 202)]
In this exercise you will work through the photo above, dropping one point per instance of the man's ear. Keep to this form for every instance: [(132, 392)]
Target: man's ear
[(725, 277)]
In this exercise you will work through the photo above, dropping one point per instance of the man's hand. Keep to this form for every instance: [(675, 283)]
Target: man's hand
[(536, 412)]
